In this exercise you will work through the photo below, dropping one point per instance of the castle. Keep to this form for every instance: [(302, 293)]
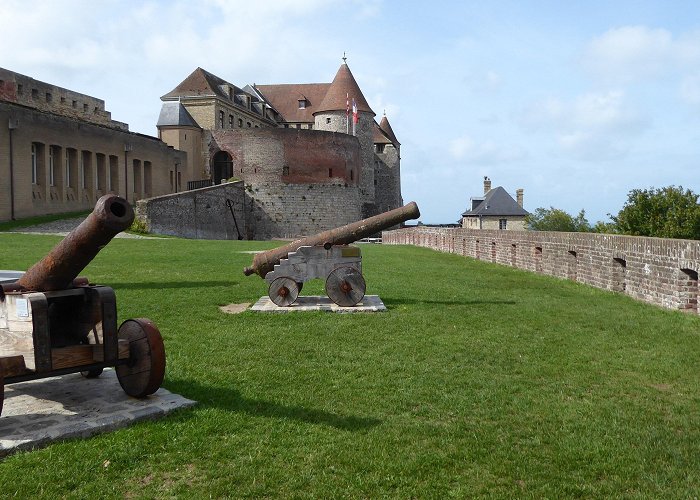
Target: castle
[(309, 156)]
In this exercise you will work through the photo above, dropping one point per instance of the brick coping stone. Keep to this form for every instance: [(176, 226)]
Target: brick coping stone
[(40, 412)]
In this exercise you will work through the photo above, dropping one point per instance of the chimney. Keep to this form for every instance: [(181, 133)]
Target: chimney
[(519, 197), (487, 184)]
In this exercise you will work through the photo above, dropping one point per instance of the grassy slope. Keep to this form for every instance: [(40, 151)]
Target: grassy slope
[(480, 379)]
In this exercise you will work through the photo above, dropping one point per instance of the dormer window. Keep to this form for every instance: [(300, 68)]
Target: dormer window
[(302, 103)]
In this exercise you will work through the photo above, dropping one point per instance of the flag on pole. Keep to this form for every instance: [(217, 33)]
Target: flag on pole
[(347, 113), (354, 115)]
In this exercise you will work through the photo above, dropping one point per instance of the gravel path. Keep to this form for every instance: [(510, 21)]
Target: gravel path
[(63, 227)]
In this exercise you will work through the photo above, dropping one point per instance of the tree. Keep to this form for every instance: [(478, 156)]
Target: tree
[(554, 219), (669, 212)]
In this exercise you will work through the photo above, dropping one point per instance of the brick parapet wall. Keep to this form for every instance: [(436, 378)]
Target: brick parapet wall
[(655, 270)]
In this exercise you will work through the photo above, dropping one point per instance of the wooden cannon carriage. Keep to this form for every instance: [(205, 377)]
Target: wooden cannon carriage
[(326, 255), (54, 323)]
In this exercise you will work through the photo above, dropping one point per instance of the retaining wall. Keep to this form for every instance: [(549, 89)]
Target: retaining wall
[(655, 270)]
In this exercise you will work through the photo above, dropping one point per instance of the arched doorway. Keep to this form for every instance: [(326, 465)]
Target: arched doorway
[(223, 167)]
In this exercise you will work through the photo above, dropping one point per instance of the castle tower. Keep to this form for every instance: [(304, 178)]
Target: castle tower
[(388, 167), (332, 115)]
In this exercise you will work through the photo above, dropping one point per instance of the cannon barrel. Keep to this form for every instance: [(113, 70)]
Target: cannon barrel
[(58, 269), (265, 262)]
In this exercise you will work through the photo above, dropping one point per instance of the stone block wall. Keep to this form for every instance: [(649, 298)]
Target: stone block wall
[(655, 270), (294, 210), (261, 213), (198, 214)]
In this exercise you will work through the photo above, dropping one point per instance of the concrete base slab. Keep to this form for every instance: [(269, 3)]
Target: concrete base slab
[(38, 412), (369, 303)]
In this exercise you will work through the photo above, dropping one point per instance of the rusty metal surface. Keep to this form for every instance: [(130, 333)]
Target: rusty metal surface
[(264, 262), (58, 269)]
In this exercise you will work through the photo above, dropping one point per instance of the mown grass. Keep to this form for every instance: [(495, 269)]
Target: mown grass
[(479, 380)]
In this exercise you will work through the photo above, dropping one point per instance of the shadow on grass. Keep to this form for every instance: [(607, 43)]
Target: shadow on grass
[(391, 301), (232, 400), (159, 285)]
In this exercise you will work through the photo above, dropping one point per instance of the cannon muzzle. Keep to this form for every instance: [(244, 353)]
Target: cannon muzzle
[(265, 262), (58, 269)]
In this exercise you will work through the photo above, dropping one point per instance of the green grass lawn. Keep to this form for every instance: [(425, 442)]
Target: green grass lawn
[(479, 380)]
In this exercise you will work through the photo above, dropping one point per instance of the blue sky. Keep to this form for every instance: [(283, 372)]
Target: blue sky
[(576, 102)]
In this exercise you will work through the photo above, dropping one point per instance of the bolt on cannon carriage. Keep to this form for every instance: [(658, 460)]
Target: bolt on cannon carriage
[(52, 322), (327, 255)]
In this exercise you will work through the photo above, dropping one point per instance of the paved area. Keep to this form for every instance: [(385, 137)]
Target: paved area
[(63, 227), (39, 412), (369, 303)]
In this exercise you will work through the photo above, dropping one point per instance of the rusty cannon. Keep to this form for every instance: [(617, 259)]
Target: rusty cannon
[(327, 255), (53, 322)]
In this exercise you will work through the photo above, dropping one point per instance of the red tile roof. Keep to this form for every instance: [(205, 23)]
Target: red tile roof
[(285, 99), (343, 87)]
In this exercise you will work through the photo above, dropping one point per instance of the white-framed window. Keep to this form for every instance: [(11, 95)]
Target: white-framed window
[(34, 164), (502, 223)]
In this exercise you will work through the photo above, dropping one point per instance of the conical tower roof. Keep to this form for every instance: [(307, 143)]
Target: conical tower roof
[(386, 128), (342, 88)]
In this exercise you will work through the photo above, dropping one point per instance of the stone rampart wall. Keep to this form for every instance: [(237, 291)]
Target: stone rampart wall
[(655, 270), (198, 214)]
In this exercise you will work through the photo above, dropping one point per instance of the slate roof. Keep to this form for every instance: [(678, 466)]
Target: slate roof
[(497, 202), (285, 99), (172, 113), (200, 83), (383, 133), (379, 136)]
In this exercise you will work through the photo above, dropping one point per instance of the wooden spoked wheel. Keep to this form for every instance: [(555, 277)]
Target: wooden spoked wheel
[(144, 371), (345, 286), (283, 291)]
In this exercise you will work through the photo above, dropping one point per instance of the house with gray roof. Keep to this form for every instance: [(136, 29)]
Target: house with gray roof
[(496, 209)]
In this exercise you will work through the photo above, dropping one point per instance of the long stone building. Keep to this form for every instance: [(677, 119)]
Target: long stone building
[(60, 151)]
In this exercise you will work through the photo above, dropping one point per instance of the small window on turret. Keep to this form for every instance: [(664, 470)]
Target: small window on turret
[(328, 120), (285, 170)]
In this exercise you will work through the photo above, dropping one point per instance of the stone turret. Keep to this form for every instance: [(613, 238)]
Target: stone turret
[(332, 115)]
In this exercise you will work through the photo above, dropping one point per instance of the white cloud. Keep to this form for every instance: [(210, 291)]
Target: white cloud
[(484, 81), (690, 89), (635, 53), (464, 148), (629, 53), (593, 126)]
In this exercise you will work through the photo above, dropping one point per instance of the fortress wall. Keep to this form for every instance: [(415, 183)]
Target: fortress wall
[(292, 210), (264, 212), (199, 213), (290, 156), (655, 270)]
